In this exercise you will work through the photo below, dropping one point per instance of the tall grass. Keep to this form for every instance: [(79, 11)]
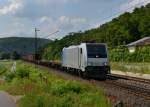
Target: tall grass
[(42, 89), (143, 68)]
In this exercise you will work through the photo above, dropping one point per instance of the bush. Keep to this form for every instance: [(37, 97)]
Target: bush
[(45, 100), (23, 71), (9, 76), (61, 87), (2, 70), (142, 54)]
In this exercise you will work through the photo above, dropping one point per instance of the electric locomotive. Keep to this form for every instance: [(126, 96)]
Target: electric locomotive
[(89, 60)]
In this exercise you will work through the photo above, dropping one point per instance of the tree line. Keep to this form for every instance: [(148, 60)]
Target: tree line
[(10, 55)]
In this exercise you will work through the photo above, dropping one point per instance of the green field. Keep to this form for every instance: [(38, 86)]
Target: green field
[(42, 89), (143, 68)]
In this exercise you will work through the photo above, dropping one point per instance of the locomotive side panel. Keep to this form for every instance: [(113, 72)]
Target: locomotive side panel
[(71, 57)]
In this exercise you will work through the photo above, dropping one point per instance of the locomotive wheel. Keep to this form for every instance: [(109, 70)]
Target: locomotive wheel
[(84, 75), (80, 73)]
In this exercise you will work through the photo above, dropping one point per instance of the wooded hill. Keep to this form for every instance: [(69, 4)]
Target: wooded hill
[(124, 29), (20, 44)]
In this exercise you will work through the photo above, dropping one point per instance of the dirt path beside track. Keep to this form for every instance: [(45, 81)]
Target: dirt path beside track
[(6, 100)]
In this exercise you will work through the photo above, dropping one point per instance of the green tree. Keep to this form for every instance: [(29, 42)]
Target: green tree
[(15, 55)]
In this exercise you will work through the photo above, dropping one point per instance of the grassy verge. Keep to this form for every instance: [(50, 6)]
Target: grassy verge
[(143, 68), (42, 89)]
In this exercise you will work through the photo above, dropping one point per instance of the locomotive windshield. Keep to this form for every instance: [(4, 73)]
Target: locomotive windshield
[(96, 51)]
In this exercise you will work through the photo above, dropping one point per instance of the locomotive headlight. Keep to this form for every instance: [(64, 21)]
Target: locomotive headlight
[(106, 63), (89, 63)]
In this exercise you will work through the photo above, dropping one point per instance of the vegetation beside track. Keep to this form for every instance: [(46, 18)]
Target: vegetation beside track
[(40, 88), (122, 54), (143, 68)]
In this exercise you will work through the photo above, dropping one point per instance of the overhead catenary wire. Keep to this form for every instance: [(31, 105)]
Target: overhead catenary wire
[(51, 34)]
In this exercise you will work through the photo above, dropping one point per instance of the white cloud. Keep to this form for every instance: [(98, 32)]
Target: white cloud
[(62, 1), (48, 2), (17, 28), (71, 20), (62, 23), (12, 7), (14, 29), (134, 3), (45, 19), (69, 1), (70, 23)]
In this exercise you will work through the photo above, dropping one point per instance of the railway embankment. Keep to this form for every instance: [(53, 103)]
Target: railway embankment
[(129, 91), (133, 69), (131, 74)]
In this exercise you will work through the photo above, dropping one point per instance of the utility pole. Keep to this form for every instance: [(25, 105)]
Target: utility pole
[(36, 47), (36, 43)]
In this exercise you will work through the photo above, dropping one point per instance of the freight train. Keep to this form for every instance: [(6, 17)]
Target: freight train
[(88, 60)]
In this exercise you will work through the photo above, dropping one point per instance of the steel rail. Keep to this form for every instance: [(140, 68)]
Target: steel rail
[(136, 90)]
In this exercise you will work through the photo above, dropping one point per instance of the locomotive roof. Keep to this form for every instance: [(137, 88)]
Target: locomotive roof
[(75, 46)]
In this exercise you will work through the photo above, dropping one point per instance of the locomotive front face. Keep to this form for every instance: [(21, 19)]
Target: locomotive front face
[(97, 55), (97, 60)]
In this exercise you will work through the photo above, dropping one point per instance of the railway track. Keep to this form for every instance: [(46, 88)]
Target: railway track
[(136, 90), (137, 86)]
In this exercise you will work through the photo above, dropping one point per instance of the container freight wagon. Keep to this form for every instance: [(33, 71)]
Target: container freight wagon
[(87, 59)]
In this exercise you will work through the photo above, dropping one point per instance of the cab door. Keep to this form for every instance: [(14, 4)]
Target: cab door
[(81, 61)]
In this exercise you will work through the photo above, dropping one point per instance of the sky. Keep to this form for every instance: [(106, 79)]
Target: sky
[(20, 17)]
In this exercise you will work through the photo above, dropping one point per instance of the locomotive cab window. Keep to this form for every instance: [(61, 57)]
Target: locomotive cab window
[(96, 51), (81, 50)]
